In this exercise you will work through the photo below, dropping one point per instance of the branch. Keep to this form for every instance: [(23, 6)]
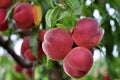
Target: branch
[(17, 58), (57, 73)]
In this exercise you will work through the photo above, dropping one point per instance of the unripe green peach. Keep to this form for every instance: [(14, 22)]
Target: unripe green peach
[(87, 33), (57, 43), (78, 62)]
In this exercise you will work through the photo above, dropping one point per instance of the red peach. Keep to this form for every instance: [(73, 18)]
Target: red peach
[(24, 16), (57, 43), (78, 62), (5, 4), (26, 51), (17, 68), (41, 35), (87, 33), (3, 22), (106, 77), (28, 71)]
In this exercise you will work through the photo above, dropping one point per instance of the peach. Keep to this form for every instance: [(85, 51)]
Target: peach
[(17, 68), (78, 62), (26, 51), (28, 71), (3, 22), (87, 33), (5, 4), (106, 77), (57, 43), (41, 35), (23, 15)]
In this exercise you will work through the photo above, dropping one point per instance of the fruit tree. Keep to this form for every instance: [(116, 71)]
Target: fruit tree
[(58, 39)]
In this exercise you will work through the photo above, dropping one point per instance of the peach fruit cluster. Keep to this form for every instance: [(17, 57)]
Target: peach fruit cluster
[(75, 48)]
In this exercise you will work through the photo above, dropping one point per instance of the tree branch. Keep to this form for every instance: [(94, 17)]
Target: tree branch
[(17, 58), (57, 73)]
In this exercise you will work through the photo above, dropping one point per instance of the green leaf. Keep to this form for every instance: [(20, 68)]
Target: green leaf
[(34, 45), (118, 16), (67, 20), (7, 76), (4, 60), (48, 59), (63, 15), (61, 26), (51, 17), (50, 3), (9, 12), (75, 5), (11, 75), (100, 48), (40, 72)]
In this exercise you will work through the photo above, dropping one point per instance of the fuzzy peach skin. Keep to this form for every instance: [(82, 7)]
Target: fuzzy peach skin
[(28, 71), (78, 62), (41, 35), (18, 68), (87, 33), (3, 22), (23, 15), (106, 77), (26, 51), (57, 43), (5, 3)]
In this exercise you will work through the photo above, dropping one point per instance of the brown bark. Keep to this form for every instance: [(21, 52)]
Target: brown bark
[(5, 44), (57, 73)]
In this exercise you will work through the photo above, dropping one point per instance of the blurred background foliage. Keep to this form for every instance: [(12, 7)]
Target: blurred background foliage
[(107, 13)]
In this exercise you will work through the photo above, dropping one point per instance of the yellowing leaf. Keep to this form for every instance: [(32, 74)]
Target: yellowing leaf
[(37, 14)]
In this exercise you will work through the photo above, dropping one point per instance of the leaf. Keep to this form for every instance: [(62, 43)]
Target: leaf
[(7, 76), (51, 17), (48, 59), (11, 75), (118, 16), (67, 19), (61, 26), (100, 48), (11, 9), (34, 45), (64, 14), (75, 5), (93, 1), (50, 3)]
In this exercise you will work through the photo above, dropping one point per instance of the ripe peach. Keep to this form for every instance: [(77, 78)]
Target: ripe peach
[(57, 43), (5, 4), (26, 51), (24, 16), (17, 68), (28, 71), (41, 35), (3, 22), (106, 77), (87, 33), (78, 62)]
